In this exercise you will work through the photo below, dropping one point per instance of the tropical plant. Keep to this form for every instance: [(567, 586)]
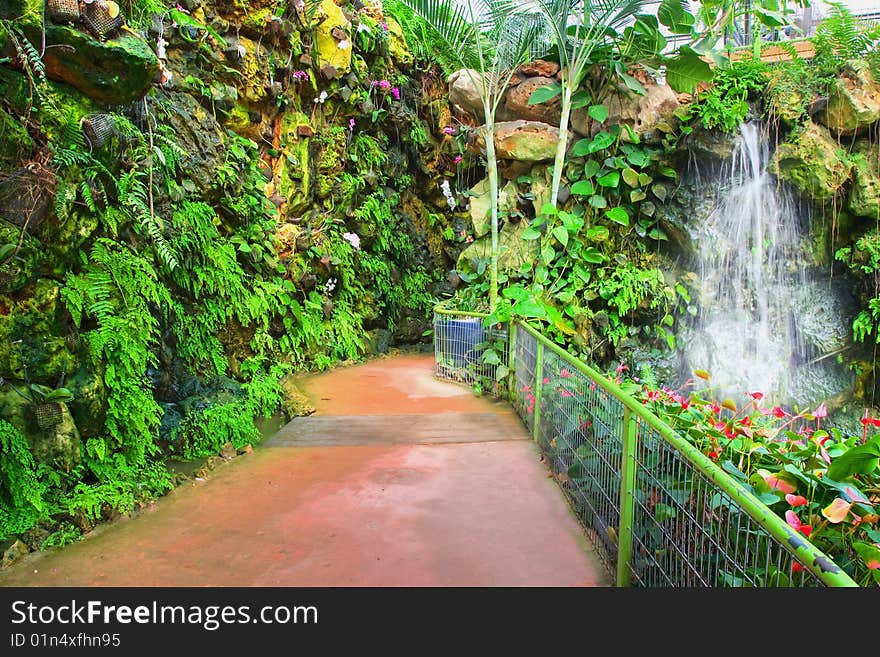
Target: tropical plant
[(490, 38)]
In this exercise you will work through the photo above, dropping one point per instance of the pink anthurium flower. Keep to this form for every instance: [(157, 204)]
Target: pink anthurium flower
[(795, 523), (795, 500)]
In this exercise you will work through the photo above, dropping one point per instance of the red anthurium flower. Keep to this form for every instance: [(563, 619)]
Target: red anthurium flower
[(872, 421), (795, 523), (713, 455), (821, 411), (795, 500), (873, 564), (757, 396), (796, 567), (778, 412)]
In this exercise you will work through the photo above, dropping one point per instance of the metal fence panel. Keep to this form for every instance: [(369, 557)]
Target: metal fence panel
[(657, 509)]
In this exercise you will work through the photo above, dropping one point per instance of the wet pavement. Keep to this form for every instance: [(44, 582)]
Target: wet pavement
[(368, 497)]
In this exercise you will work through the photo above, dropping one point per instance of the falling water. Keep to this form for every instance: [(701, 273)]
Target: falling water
[(749, 270)]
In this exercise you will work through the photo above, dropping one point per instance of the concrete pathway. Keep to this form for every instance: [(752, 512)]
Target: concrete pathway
[(397, 480)]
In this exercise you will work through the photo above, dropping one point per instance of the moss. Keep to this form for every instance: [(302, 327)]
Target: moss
[(864, 195), (15, 142), (813, 163), (329, 161), (17, 272), (327, 51), (116, 72)]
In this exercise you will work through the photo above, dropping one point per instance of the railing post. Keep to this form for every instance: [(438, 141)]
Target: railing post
[(539, 382), (627, 498), (511, 361)]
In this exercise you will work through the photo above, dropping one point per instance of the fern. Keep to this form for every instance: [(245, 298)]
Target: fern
[(21, 494)]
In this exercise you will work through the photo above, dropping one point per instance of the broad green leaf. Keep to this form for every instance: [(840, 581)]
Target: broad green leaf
[(491, 357), (593, 255), (637, 195), (862, 459), (647, 208), (598, 113), (581, 99), (618, 215), (549, 209), (531, 233), (685, 71), (630, 177), (645, 180), (545, 93), (548, 253), (668, 171), (582, 188), (572, 222), (561, 234), (581, 148), (659, 191), (598, 202), (501, 373), (515, 292), (610, 179), (673, 15), (658, 234), (528, 308), (870, 554), (591, 168), (632, 84), (601, 141)]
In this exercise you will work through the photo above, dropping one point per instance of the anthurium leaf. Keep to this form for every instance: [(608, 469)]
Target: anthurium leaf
[(837, 511), (561, 234), (618, 215), (598, 113), (545, 93), (674, 15), (870, 554), (582, 188), (862, 459), (591, 168)]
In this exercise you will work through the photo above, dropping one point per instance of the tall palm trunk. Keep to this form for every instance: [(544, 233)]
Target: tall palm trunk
[(561, 144), (492, 166)]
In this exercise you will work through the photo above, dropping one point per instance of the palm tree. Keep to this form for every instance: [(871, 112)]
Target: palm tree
[(491, 38), (579, 28)]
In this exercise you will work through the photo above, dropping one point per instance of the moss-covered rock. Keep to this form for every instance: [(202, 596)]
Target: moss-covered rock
[(480, 205), (330, 50), (397, 47), (15, 142), (513, 253), (812, 163), (853, 101), (31, 348), (864, 195), (59, 444), (89, 404), (18, 270), (293, 167), (329, 160), (62, 239), (115, 72)]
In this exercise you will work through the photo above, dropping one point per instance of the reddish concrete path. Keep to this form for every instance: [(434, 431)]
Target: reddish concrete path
[(398, 514)]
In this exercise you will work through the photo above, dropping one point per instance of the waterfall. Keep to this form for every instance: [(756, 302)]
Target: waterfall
[(750, 270)]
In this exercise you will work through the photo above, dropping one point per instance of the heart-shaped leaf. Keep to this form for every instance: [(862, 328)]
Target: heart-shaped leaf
[(610, 179), (598, 113), (545, 93), (630, 177), (618, 215), (582, 188), (591, 168), (561, 234)]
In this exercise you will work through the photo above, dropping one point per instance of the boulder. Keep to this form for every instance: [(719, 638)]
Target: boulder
[(397, 47), (292, 169), (813, 163), (59, 444), (294, 402), (513, 251), (864, 195), (89, 404), (115, 72), (516, 103), (649, 115), (823, 313), (480, 205), (526, 141), (539, 68), (853, 101), (329, 50), (14, 553), (464, 94), (199, 134)]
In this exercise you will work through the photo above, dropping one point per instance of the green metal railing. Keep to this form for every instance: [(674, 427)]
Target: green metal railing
[(659, 511)]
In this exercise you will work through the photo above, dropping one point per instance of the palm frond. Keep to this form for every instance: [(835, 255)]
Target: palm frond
[(451, 25)]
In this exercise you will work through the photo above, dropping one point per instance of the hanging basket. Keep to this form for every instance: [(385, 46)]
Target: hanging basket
[(63, 11), (96, 16), (47, 415), (98, 129)]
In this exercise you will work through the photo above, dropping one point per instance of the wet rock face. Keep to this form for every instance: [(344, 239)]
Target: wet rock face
[(115, 72), (813, 163), (864, 194), (823, 314), (853, 102)]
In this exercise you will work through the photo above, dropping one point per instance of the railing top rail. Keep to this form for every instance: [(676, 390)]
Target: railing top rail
[(441, 309), (814, 559)]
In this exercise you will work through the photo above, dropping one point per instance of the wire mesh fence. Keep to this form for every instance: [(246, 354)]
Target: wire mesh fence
[(467, 352), (658, 511)]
